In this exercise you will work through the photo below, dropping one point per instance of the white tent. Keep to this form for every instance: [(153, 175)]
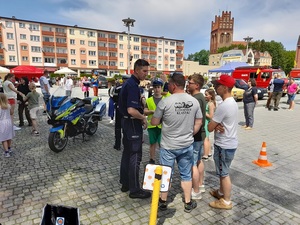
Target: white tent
[(65, 71), (4, 70)]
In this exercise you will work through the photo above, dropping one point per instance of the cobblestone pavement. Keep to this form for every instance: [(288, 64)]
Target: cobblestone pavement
[(86, 174)]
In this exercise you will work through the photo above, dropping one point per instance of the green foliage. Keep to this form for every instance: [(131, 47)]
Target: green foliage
[(202, 57), (224, 49)]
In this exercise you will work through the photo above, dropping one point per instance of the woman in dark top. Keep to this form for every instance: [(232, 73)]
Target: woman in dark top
[(23, 88), (250, 100)]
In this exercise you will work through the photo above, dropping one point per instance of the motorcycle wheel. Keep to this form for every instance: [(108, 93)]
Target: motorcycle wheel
[(56, 143), (92, 128)]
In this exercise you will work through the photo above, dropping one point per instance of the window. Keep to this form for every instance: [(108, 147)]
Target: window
[(11, 47), (92, 43), (60, 30), (102, 44), (8, 24), (121, 64), (34, 38), (36, 59), (102, 63), (23, 36), (34, 27), (24, 58), (121, 46), (136, 39), (10, 36), (112, 36), (112, 45), (83, 61), (49, 60), (172, 51), (72, 31), (82, 52), (152, 41), (61, 50), (48, 39), (144, 40), (159, 50), (92, 62), (48, 49), (152, 49), (136, 56), (72, 41), (102, 35), (166, 50), (172, 43), (121, 55), (121, 38), (61, 40), (12, 58), (91, 34), (159, 66), (81, 32), (35, 49), (153, 57), (73, 61), (172, 66), (265, 75), (135, 47), (144, 48), (166, 42), (24, 48), (112, 54), (253, 75), (46, 28), (92, 53), (112, 63), (73, 52), (172, 59), (102, 53), (82, 42), (159, 58), (22, 25)]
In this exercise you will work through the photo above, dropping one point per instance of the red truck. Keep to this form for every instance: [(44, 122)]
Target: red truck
[(295, 73), (262, 75)]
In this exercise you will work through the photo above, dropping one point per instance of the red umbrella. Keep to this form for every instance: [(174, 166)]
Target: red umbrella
[(27, 71)]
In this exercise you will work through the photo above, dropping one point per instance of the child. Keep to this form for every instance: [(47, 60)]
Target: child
[(6, 125), (33, 106)]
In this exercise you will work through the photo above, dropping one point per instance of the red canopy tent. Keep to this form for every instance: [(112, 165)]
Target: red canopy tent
[(27, 71)]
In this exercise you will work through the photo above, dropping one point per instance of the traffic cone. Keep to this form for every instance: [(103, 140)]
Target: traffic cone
[(262, 160)]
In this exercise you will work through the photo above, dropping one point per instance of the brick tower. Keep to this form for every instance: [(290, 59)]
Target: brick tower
[(221, 32), (297, 58)]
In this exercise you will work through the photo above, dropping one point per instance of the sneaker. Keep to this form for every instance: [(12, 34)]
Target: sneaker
[(215, 193), (205, 158), (220, 204), (140, 194), (17, 128), (202, 188), (196, 195), (162, 205), (111, 121), (244, 126), (188, 207), (151, 161), (248, 128), (124, 188), (44, 112), (10, 151), (6, 154), (36, 133), (209, 156)]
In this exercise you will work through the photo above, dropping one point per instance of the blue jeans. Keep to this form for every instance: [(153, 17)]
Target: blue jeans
[(249, 113), (184, 159), (223, 159), (291, 97), (198, 151)]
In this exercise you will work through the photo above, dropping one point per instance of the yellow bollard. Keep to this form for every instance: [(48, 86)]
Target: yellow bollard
[(155, 195)]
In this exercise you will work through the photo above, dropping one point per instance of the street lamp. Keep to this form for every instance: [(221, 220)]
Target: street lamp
[(247, 39), (17, 47), (128, 23)]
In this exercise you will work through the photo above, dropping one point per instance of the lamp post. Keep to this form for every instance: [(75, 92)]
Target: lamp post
[(247, 39), (128, 23), (17, 47)]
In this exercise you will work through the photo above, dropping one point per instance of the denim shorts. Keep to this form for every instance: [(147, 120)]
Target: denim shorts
[(291, 97), (184, 159), (223, 159), (198, 151)]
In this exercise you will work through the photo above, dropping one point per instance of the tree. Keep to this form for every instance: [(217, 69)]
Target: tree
[(202, 57)]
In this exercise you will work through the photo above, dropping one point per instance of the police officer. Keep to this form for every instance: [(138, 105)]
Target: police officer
[(133, 122), (118, 117)]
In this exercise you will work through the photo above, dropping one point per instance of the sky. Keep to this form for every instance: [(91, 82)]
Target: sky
[(188, 20)]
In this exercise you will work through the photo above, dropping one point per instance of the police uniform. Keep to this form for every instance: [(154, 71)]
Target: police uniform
[(118, 117), (130, 96)]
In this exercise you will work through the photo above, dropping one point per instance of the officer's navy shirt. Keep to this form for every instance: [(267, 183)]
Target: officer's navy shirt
[(130, 96)]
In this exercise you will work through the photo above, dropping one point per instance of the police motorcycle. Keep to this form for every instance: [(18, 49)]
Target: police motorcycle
[(71, 116)]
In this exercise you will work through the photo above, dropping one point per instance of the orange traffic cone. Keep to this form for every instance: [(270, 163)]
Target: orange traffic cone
[(262, 160)]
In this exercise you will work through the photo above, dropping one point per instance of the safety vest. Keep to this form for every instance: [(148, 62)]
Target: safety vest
[(151, 106), (168, 93)]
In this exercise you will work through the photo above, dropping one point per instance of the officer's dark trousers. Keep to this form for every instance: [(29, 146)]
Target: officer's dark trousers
[(132, 154), (22, 107), (118, 128)]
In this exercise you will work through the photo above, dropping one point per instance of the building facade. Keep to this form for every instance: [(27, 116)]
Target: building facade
[(52, 46), (221, 32)]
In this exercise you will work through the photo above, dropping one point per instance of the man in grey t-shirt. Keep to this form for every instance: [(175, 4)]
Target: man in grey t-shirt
[(181, 118)]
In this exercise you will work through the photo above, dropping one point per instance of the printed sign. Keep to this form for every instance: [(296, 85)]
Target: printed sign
[(60, 220)]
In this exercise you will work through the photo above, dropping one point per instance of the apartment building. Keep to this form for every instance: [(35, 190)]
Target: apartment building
[(52, 46)]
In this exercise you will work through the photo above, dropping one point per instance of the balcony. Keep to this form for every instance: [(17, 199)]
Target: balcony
[(179, 55), (102, 39), (103, 57), (0, 38), (178, 62), (113, 49), (145, 52), (100, 48), (59, 34), (152, 68), (62, 65), (103, 67), (153, 44), (61, 44), (152, 61), (145, 44), (2, 62), (47, 33), (1, 50), (113, 58), (46, 43), (49, 54), (112, 40), (178, 47), (62, 55), (113, 67), (153, 53)]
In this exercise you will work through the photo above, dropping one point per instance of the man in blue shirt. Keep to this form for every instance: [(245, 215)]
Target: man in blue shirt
[(277, 92), (133, 122)]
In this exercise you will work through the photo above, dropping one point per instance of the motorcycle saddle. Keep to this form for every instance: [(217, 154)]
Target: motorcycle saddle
[(88, 108)]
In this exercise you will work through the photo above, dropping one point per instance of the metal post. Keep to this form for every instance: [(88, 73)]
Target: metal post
[(128, 23), (247, 39), (17, 47)]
